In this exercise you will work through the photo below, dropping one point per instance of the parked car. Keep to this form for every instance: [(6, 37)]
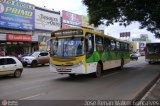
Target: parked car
[(134, 57), (10, 66), (38, 57), (138, 54)]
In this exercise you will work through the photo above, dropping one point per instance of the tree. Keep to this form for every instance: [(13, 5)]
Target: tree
[(146, 12)]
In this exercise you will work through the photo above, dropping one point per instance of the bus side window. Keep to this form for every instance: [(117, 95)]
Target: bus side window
[(89, 43), (113, 45), (99, 43), (107, 43), (118, 46), (122, 47)]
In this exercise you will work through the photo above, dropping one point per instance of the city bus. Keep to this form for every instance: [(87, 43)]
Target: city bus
[(152, 52), (84, 51)]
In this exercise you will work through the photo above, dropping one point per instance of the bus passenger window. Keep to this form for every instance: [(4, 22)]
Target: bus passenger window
[(118, 46), (113, 45), (89, 44), (107, 43), (99, 43)]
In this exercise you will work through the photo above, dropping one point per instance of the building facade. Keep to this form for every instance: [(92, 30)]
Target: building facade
[(16, 27)]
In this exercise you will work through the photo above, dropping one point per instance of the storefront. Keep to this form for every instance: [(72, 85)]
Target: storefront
[(15, 44), (16, 28), (46, 21)]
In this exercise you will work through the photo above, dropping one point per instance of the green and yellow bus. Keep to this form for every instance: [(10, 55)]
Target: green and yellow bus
[(152, 52), (83, 51)]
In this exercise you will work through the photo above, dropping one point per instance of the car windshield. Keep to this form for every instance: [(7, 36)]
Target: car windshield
[(67, 47), (35, 54)]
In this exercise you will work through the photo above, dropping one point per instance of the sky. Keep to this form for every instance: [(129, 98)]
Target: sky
[(77, 7)]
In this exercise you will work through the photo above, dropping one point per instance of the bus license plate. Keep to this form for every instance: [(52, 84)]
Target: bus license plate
[(61, 69)]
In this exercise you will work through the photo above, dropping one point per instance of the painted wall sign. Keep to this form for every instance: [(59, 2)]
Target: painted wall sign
[(46, 20)]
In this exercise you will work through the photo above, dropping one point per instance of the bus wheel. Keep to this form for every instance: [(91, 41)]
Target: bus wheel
[(150, 62), (98, 72), (122, 64)]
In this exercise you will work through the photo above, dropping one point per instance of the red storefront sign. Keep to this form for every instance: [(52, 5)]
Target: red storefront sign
[(18, 37)]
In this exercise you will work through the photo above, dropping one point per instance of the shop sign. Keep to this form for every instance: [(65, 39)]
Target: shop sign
[(17, 15), (71, 18), (18, 37), (138, 39), (46, 20)]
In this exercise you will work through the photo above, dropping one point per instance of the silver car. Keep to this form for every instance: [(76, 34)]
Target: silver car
[(38, 57), (10, 66)]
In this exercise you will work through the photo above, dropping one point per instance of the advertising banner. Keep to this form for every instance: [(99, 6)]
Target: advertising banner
[(45, 20), (16, 15), (65, 26), (125, 34), (85, 22), (138, 39), (142, 49), (71, 18), (18, 37)]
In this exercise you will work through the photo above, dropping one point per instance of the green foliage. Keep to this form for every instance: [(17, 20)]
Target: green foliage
[(146, 12)]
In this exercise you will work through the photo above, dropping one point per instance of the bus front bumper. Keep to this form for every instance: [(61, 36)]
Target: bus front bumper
[(75, 69)]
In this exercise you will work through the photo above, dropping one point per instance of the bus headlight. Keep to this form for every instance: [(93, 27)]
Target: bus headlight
[(81, 62)]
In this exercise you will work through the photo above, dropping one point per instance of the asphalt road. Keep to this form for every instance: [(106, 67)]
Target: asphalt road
[(39, 84)]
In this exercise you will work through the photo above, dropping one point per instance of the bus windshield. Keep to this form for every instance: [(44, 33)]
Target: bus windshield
[(67, 47), (153, 48)]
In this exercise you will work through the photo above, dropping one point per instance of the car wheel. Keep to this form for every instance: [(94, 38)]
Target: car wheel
[(17, 73), (98, 72), (34, 63), (24, 64)]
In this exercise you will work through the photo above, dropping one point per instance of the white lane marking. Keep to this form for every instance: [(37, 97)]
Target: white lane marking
[(31, 96), (144, 97)]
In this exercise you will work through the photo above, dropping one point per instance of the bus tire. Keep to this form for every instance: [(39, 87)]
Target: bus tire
[(98, 72), (150, 62)]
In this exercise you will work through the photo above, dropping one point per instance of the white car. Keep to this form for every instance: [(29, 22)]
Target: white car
[(10, 66)]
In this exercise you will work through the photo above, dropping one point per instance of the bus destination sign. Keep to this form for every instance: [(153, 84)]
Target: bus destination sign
[(67, 32)]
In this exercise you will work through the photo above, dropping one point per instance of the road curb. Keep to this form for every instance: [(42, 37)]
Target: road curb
[(146, 89)]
